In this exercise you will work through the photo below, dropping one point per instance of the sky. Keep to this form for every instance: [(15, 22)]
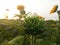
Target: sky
[(42, 7)]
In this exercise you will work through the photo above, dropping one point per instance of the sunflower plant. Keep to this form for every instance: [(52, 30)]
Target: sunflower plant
[(33, 26), (22, 12)]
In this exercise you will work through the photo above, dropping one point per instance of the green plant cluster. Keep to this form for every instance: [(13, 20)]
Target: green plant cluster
[(9, 29), (33, 25)]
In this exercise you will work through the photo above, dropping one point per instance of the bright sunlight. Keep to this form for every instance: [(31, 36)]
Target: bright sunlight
[(8, 8)]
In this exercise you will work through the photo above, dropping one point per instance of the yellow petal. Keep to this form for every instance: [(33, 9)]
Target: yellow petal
[(54, 9)]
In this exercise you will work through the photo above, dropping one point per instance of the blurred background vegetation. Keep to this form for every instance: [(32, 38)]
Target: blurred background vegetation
[(9, 29)]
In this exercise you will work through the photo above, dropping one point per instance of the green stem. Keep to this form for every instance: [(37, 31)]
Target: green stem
[(33, 41)]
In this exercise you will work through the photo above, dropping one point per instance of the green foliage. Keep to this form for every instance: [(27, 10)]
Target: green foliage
[(10, 29), (22, 12), (5, 44), (58, 38), (34, 25), (50, 35), (44, 42), (50, 32), (58, 12), (17, 41)]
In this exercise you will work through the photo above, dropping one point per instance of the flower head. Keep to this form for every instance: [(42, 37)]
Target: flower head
[(20, 7), (54, 9)]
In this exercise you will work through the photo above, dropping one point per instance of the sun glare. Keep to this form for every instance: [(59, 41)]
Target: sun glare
[(11, 5), (8, 9), (39, 6)]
